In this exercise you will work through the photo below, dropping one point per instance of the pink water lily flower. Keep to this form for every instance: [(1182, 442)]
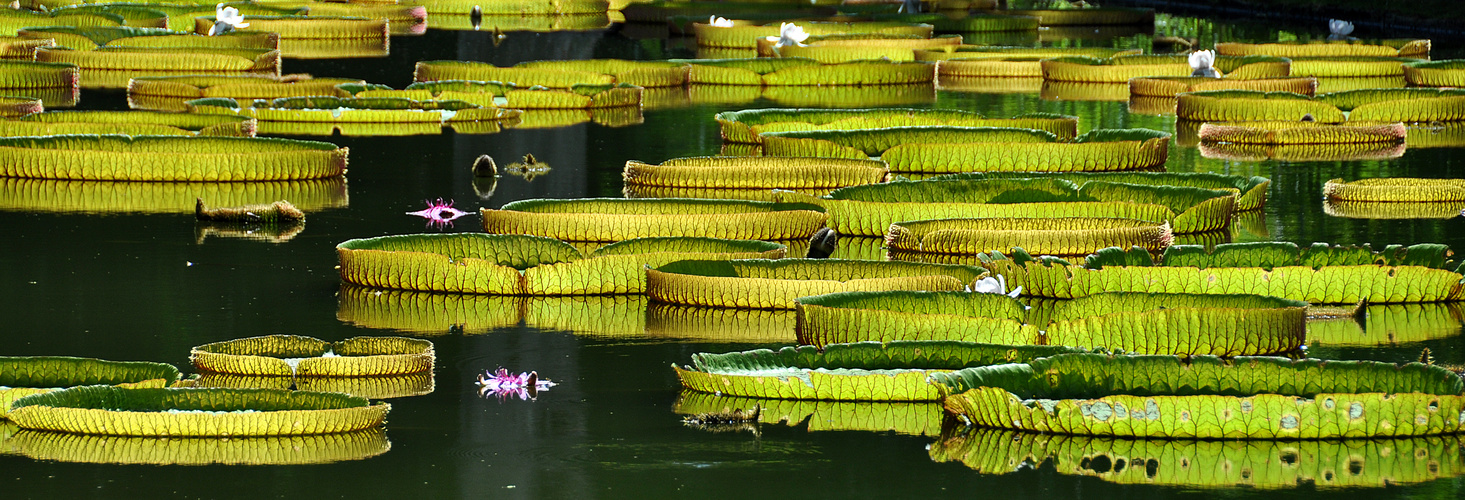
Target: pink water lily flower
[(503, 384), (439, 214)]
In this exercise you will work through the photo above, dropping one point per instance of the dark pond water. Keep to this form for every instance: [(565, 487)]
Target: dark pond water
[(122, 272)]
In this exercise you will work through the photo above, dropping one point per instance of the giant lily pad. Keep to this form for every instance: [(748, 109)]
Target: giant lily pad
[(1246, 105), (558, 74), (1446, 73), (291, 355), (1207, 397), (169, 158), (27, 75), (113, 67), (934, 239), (1294, 132), (310, 27), (1095, 150), (1347, 465), (609, 219), (1120, 69), (1184, 324), (746, 36), (829, 49), (747, 126), (866, 371), (352, 115), (1329, 48), (1396, 189), (1350, 66), (111, 197), (26, 375), (813, 174), (869, 210), (127, 123), (283, 450), (775, 284), (512, 264), (1321, 274), (12, 20), (794, 71), (114, 411), (1403, 105), (1170, 86), (516, 7), (169, 93), (95, 37)]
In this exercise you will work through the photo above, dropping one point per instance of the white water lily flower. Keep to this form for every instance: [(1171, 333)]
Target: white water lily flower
[(997, 285), (1202, 63), (791, 34), (1339, 27), (226, 19), (720, 22)]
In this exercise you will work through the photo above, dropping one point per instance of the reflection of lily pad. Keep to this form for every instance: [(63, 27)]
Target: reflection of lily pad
[(127, 123), (775, 284), (1192, 464), (1183, 324), (168, 93), (1303, 152), (1169, 86), (516, 264), (169, 158), (105, 410), (1040, 235), (1321, 274), (756, 172), (1395, 189), (919, 419), (309, 357), (791, 71), (1251, 192), (746, 36), (1393, 210), (25, 375), (356, 114), (290, 450), (1388, 324), (1207, 397), (112, 67), (1119, 69), (866, 371)]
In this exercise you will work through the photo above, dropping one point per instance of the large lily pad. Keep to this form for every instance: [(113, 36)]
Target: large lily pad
[(795, 71), (1187, 324), (747, 126), (810, 174), (1445, 73), (291, 355), (1207, 397), (22, 376), (869, 210), (746, 35), (127, 123), (113, 411), (169, 93), (1294, 132), (915, 240), (867, 371), (1251, 192), (1120, 69), (1170, 86), (1321, 274), (169, 158), (917, 419), (514, 264), (112, 197), (1329, 48), (775, 284), (609, 219)]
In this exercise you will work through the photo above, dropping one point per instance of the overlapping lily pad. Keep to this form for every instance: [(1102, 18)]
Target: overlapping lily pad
[(13, 20), (610, 219), (559, 74), (866, 371), (1295, 132), (513, 264), (1251, 192), (747, 126), (113, 67), (1350, 66), (169, 158), (22, 376), (775, 284), (1182, 324), (1248, 105), (829, 49), (95, 37), (1207, 397), (1170, 86), (1120, 69), (292, 355), (114, 411), (1321, 274), (869, 210), (23, 49)]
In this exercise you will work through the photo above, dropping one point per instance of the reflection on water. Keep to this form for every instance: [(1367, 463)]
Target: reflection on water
[(1393, 210), (1302, 152), (717, 324), (919, 419), (267, 233), (383, 387), (804, 96), (1085, 91), (334, 48), (1209, 464), (1383, 324), (990, 85), (315, 449), (46, 195)]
